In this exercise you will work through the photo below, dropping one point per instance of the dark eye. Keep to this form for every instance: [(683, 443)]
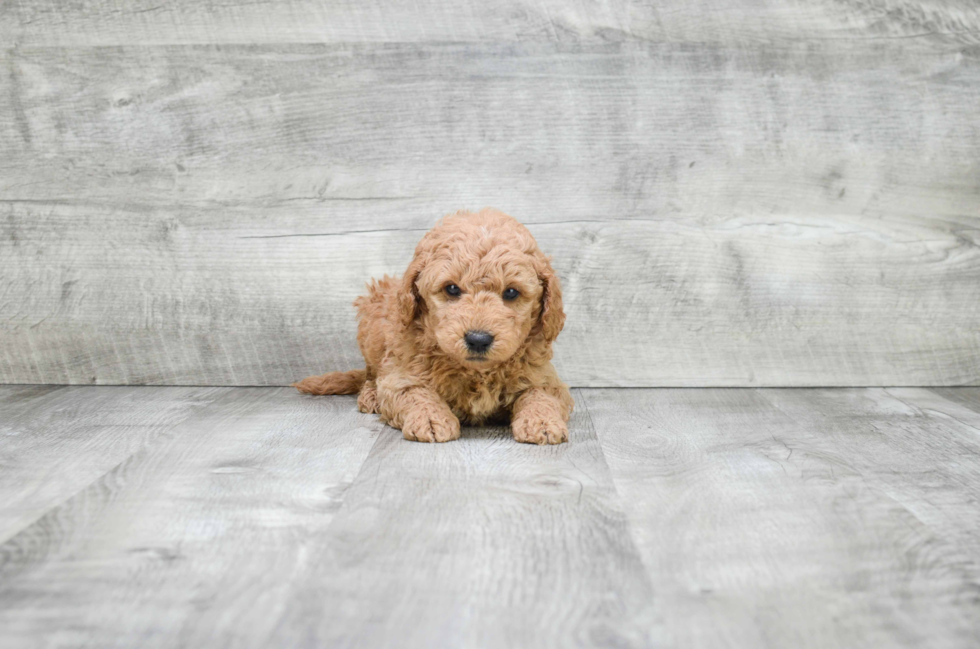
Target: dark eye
[(511, 294), (453, 291)]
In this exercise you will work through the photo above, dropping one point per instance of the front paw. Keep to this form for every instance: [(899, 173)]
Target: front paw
[(430, 425), (367, 399), (532, 428)]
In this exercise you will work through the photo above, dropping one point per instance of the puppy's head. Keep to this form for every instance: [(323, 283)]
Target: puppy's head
[(480, 288)]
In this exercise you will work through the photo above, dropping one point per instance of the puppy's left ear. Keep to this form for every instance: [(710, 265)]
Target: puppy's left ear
[(552, 317)]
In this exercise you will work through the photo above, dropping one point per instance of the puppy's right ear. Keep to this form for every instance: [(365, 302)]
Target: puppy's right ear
[(410, 302)]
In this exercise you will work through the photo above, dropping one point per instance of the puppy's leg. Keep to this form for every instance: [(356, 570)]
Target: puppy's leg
[(367, 399), (538, 417), (420, 413)]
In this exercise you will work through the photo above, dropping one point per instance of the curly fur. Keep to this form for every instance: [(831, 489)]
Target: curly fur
[(420, 376)]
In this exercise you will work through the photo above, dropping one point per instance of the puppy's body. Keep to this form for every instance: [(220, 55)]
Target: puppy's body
[(422, 374), (397, 360)]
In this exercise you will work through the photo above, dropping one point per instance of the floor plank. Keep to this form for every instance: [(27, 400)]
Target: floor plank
[(786, 518), (56, 441), (189, 542), (920, 451), (965, 397), (698, 517), (480, 543)]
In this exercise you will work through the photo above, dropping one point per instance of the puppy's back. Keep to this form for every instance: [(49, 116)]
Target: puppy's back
[(377, 319)]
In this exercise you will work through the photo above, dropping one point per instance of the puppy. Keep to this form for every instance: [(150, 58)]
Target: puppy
[(465, 336)]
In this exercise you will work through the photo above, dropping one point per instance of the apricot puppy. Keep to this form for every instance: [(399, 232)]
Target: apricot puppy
[(465, 336)]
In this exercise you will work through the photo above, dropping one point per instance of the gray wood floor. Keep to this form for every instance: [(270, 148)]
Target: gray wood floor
[(175, 516)]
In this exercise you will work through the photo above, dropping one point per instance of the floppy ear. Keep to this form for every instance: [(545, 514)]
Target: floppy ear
[(552, 317), (410, 303)]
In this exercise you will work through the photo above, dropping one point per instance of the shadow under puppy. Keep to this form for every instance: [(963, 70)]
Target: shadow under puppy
[(464, 336)]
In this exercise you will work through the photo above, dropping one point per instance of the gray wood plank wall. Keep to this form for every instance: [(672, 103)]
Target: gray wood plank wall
[(767, 194)]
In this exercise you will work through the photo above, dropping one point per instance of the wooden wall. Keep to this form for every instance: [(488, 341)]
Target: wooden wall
[(743, 192)]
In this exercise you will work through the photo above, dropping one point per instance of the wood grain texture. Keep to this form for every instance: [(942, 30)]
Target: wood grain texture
[(808, 518), (56, 441), (787, 214), (898, 432), (122, 22), (193, 541), (737, 518), (482, 542), (964, 397), (230, 534)]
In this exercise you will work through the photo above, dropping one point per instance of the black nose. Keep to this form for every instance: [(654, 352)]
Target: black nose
[(478, 341)]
